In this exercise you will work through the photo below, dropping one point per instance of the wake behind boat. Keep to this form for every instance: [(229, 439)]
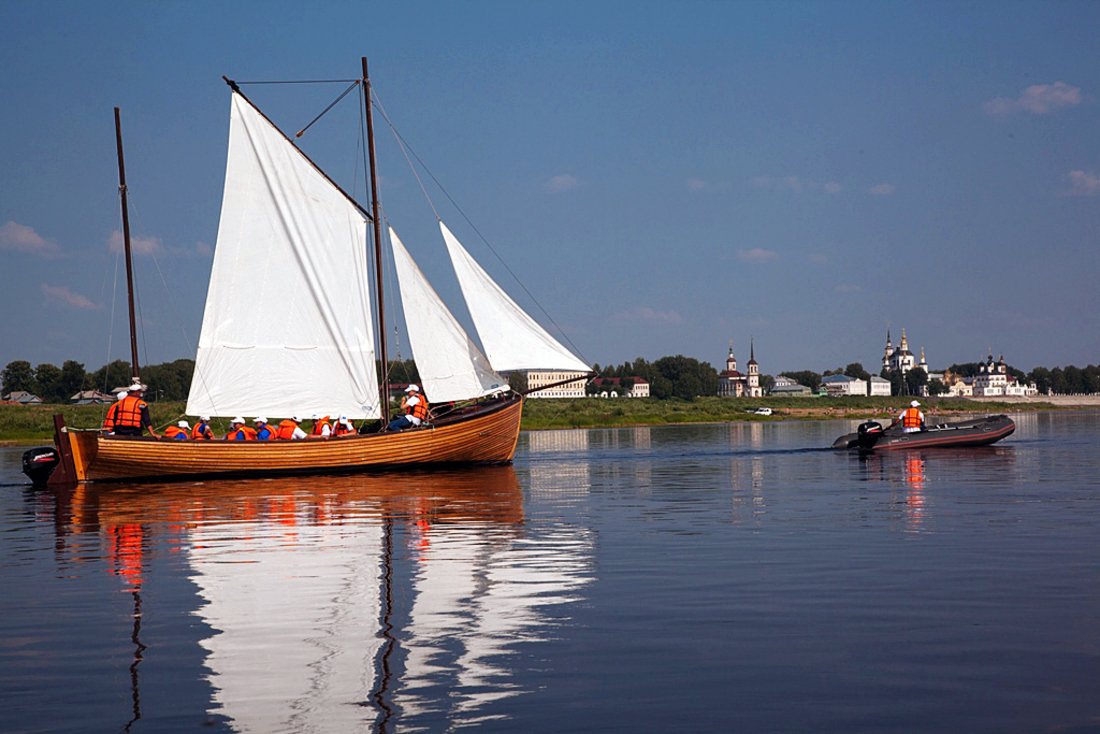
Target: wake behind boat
[(975, 432), (288, 231)]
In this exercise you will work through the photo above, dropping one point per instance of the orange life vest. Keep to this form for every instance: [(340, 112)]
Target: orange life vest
[(175, 432), (129, 412), (286, 430), (248, 433), (911, 418), (420, 410), (267, 433), (112, 414), (319, 425), (341, 429), (201, 431)]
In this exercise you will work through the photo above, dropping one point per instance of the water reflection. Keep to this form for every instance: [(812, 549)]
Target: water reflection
[(335, 603)]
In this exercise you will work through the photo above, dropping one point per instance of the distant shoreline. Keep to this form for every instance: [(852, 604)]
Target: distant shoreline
[(32, 425)]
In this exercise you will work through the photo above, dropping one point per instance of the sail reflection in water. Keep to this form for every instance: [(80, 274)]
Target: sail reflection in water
[(337, 602)]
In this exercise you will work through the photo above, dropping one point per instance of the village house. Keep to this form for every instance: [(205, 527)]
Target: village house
[(784, 386), (22, 397), (571, 384), (615, 387), (842, 385)]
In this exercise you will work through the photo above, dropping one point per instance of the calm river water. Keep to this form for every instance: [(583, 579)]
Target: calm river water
[(703, 578)]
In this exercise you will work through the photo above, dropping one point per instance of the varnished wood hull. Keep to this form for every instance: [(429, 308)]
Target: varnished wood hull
[(487, 436)]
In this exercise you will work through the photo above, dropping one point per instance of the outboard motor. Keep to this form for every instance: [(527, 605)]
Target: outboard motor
[(39, 463), (868, 434)]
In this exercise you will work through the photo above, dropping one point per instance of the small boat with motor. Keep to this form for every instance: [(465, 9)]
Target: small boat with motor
[(872, 436)]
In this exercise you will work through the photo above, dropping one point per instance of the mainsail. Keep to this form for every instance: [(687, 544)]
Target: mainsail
[(287, 327), (512, 339), (449, 363)]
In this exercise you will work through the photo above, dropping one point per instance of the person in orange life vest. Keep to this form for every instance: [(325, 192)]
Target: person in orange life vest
[(239, 431), (202, 430), (112, 412), (132, 417), (177, 432), (343, 427), (911, 419), (264, 432), (415, 406), (289, 430), (321, 426)]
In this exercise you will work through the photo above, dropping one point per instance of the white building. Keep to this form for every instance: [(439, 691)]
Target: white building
[(900, 358), (735, 384), (566, 384), (879, 386), (841, 385)]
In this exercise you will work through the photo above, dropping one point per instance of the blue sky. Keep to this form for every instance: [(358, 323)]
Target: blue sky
[(662, 177)]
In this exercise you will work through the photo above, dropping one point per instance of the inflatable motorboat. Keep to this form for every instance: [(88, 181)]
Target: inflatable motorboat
[(975, 432)]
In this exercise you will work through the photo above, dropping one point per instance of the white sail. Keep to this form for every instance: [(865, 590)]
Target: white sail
[(451, 366), (512, 339), (287, 327)]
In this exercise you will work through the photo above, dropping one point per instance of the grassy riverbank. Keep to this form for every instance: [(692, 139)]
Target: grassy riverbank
[(34, 423)]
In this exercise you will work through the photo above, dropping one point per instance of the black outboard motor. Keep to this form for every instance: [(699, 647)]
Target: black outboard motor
[(39, 463), (868, 434)]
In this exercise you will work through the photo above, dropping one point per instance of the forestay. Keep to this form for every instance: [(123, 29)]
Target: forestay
[(512, 339), (450, 365), (287, 327)]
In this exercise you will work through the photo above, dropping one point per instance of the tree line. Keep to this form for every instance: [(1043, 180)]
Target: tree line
[(668, 377)]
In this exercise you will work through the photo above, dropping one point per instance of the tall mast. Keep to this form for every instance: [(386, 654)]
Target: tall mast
[(134, 368), (385, 396)]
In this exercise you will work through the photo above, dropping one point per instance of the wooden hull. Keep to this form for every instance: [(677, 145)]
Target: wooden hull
[(485, 436)]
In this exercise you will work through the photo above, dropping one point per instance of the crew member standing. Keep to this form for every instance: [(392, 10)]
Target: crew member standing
[(132, 417)]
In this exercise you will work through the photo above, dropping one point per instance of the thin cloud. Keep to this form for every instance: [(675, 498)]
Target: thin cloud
[(1082, 183), (847, 288), (21, 238), (882, 189), (647, 315), (795, 184), (139, 245), (756, 255), (696, 184), (64, 296), (562, 182), (1038, 99)]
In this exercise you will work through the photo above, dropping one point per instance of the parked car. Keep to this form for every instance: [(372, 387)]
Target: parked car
[(762, 411)]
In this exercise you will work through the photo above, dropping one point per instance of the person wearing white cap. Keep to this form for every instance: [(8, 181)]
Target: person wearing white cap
[(415, 405), (239, 431), (202, 430), (290, 430), (264, 432), (911, 419), (177, 432), (132, 417), (321, 426), (112, 412), (342, 427)]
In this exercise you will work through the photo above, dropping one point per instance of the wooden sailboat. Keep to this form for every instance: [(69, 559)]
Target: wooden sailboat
[(288, 330)]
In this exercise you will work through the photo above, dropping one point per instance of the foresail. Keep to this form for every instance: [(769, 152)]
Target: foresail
[(512, 339), (451, 366), (287, 328)]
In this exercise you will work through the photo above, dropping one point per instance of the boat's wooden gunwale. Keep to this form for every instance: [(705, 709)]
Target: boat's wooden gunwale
[(487, 437)]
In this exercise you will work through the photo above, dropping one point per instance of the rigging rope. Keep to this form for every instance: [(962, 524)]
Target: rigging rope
[(406, 149)]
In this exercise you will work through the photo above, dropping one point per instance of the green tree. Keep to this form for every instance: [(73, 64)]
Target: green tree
[(810, 379), (767, 382), (18, 375), (47, 381), (112, 375), (688, 378), (1041, 377), (915, 379), (73, 378), (855, 369), (936, 387)]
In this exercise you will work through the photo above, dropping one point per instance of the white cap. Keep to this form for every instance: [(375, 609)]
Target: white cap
[(238, 419), (183, 424), (136, 387), (204, 418), (343, 418), (122, 394), (296, 418), (260, 419), (412, 388), (314, 417), (915, 404)]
